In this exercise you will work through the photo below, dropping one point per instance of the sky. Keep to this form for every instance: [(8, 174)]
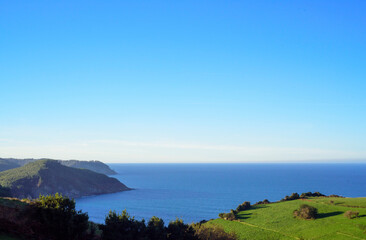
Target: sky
[(183, 81)]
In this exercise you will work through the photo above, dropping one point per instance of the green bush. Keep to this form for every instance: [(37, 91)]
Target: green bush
[(306, 212)]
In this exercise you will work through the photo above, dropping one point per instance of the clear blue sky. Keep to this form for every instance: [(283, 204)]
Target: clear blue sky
[(183, 81)]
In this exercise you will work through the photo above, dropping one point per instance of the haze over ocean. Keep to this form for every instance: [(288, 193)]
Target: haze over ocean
[(195, 192)]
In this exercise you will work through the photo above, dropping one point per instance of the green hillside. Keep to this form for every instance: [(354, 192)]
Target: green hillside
[(96, 166), (276, 221), (49, 176), (6, 164)]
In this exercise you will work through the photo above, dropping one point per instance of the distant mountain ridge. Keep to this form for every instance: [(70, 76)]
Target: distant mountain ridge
[(50, 176), (96, 166)]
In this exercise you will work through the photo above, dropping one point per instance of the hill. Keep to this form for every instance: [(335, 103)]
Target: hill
[(96, 166), (6, 164), (276, 221), (49, 176)]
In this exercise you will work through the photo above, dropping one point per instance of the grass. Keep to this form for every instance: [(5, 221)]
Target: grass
[(276, 221), (7, 237)]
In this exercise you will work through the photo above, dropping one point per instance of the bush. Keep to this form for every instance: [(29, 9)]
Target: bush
[(177, 230), (306, 212), (244, 206), (155, 229), (293, 196), (350, 214), (122, 226), (310, 194), (228, 216), (204, 232), (59, 219), (265, 201)]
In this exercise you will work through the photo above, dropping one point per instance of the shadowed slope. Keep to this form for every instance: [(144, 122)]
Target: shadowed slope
[(49, 176)]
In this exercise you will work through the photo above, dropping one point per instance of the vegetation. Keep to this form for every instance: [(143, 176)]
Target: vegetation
[(96, 166), (276, 221), (306, 212), (59, 219), (55, 217), (244, 206), (123, 226), (351, 214), (49, 176)]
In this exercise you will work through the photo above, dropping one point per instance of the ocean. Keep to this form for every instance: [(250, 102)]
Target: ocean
[(195, 192)]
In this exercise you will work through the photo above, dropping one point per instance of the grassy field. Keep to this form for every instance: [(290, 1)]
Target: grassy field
[(7, 237), (276, 221)]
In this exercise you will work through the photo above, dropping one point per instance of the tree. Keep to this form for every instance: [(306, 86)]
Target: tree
[(178, 230), (122, 226), (155, 229), (59, 219)]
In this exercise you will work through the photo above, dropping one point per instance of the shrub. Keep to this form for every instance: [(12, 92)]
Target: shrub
[(244, 206), (122, 226), (228, 216), (306, 212), (293, 196), (204, 232), (177, 230), (351, 214), (59, 219), (335, 196), (155, 229), (310, 194), (265, 201)]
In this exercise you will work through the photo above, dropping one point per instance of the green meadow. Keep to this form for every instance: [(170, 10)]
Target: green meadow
[(276, 221)]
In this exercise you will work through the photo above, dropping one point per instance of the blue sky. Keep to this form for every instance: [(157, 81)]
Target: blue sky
[(183, 81)]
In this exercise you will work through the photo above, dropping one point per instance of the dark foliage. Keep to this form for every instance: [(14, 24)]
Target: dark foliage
[(265, 201), (58, 218), (122, 226), (310, 194), (155, 229), (244, 206), (293, 196), (306, 212), (228, 216), (178, 230)]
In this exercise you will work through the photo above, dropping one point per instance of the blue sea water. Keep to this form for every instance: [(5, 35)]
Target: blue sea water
[(195, 192)]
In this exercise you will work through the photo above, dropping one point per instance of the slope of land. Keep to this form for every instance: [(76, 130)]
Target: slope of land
[(276, 221), (49, 176), (96, 166)]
